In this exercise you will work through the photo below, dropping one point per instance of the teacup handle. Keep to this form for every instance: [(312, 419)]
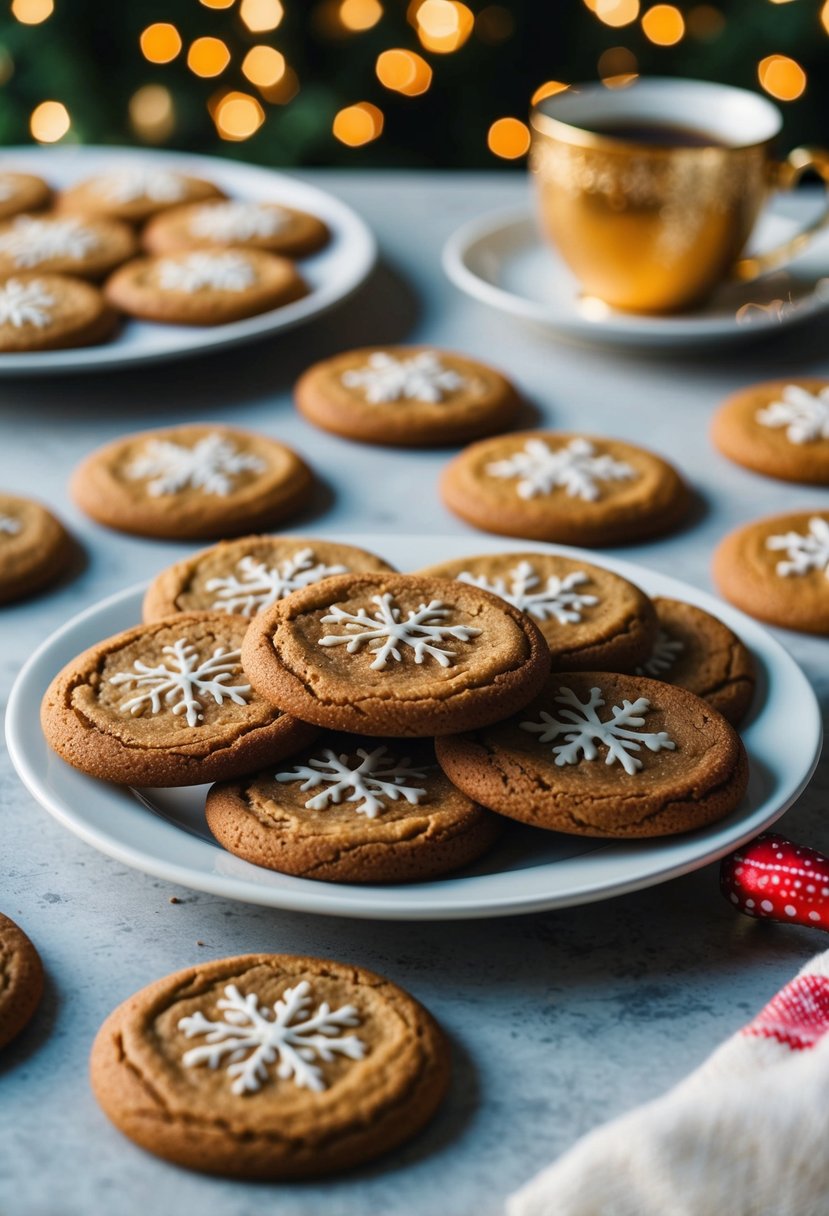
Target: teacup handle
[(788, 174)]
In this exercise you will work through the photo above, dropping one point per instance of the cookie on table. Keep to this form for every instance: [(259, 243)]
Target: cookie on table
[(777, 569), (64, 244), (35, 548), (352, 809), (780, 428), (270, 1066), (21, 192), (192, 482), (205, 287), (166, 704), (406, 396), (252, 225), (592, 619), (606, 755), (395, 655), (134, 193), (695, 650), (21, 980), (547, 485), (52, 312), (247, 575)]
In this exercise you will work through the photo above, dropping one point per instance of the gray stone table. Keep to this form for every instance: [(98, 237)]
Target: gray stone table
[(558, 1021)]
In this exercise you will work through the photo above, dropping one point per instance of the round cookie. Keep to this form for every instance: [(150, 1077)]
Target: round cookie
[(600, 754), (21, 192), (310, 1067), (776, 569), (51, 312), (134, 193), (593, 620), (61, 244), (780, 428), (547, 485), (395, 655), (283, 230), (352, 809), (246, 576), (166, 704), (35, 549), (192, 482), (695, 650), (406, 396), (21, 980), (205, 287)]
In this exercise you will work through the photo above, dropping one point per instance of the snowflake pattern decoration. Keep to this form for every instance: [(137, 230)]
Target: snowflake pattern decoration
[(422, 377), (31, 241), (206, 272), (231, 222), (130, 185), (258, 585), (583, 731), (376, 778), (385, 632), (558, 598), (185, 684), (9, 526), (576, 468), (249, 1039), (804, 415), (666, 651), (210, 466), (24, 304), (805, 551)]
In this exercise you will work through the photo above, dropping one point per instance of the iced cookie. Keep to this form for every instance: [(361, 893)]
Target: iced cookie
[(166, 704), (50, 312), (593, 620), (21, 192), (406, 396), (192, 482), (270, 1066), (695, 650), (246, 576), (35, 549), (777, 569), (352, 809), (134, 193), (205, 287), (395, 654), (597, 754), (546, 485), (294, 234), (59, 244), (21, 980), (780, 428)]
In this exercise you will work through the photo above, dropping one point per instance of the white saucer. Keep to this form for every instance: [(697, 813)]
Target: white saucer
[(163, 832)]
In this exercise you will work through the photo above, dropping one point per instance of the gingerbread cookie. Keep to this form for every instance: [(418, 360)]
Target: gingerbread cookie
[(134, 193), (50, 312), (22, 192), (21, 980), (35, 549), (192, 482), (592, 619), (246, 576), (406, 396), (59, 244), (352, 809), (599, 754), (777, 569), (283, 230), (780, 428), (205, 287), (395, 654), (166, 704), (270, 1066), (546, 485)]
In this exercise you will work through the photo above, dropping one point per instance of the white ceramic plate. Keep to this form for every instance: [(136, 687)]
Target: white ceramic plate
[(501, 260), (332, 274), (163, 831)]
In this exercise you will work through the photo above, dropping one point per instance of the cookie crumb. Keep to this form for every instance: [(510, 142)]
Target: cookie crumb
[(174, 899)]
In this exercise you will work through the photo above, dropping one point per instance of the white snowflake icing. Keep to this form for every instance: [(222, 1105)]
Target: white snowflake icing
[(422, 377), (259, 585), (666, 651), (249, 1038), (579, 724), (385, 632), (805, 551), (557, 598), (185, 684), (575, 467), (210, 465), (232, 222), (29, 241), (9, 526), (377, 777), (805, 415), (129, 185), (206, 271), (24, 304)]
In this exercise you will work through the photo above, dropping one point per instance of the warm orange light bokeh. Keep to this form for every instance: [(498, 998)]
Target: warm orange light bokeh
[(160, 43), (782, 77), (704, 21), (261, 15), (151, 113), (616, 12), (360, 14), (217, 3), (404, 72), (32, 12), (208, 57), (548, 89), (617, 67), (663, 24), (358, 124), (49, 122), (508, 138), (263, 66), (442, 26), (238, 116)]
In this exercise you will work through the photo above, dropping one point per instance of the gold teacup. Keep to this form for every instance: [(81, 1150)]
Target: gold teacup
[(650, 193)]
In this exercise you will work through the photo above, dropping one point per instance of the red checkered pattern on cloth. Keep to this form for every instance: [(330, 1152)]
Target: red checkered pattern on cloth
[(798, 1017)]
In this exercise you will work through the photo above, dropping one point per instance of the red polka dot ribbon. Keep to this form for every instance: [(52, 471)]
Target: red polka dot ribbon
[(775, 879)]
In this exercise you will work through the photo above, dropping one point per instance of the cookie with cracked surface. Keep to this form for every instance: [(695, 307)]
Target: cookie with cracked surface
[(246, 576), (352, 809), (606, 755), (593, 619), (248, 225), (21, 980), (35, 548), (64, 244), (22, 192), (52, 312), (270, 1066), (192, 482), (134, 193), (576, 489), (166, 704), (395, 655), (779, 427), (406, 396), (205, 286)]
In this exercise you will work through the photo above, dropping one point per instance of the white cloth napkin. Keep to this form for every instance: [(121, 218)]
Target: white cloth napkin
[(747, 1134)]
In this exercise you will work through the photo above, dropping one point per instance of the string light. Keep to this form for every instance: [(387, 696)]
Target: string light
[(494, 24), (443, 26), (617, 67), (261, 15), (617, 12), (549, 89), (208, 57), (403, 72), (360, 15), (151, 113), (160, 43), (32, 12), (706, 22), (358, 124), (508, 138), (663, 24), (49, 122), (263, 66), (782, 77)]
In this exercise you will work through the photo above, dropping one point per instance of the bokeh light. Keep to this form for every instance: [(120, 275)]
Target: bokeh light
[(238, 116), (824, 16), (663, 24), (442, 26), (49, 122), (208, 57), (358, 124), (261, 15), (494, 24), (705, 22), (263, 66), (161, 42), (403, 72), (616, 12), (217, 3), (283, 90), (548, 89), (32, 12), (6, 65), (617, 67), (508, 138), (782, 77), (152, 117), (360, 14)]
